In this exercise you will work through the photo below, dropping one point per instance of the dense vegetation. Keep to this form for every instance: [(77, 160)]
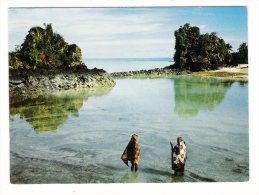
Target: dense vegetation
[(240, 57), (197, 51), (43, 48)]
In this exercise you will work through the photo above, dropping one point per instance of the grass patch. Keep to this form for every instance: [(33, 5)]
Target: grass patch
[(218, 74)]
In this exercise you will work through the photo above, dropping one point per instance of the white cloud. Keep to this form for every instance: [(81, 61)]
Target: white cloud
[(110, 29), (91, 28), (202, 27), (147, 42)]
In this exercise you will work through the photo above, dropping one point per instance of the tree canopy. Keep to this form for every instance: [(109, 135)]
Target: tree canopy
[(240, 57), (44, 48), (197, 51)]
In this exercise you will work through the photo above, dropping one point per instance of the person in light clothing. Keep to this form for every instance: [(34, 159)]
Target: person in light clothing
[(178, 155)]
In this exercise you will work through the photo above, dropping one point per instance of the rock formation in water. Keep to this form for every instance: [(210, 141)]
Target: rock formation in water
[(29, 84), (154, 73), (45, 62)]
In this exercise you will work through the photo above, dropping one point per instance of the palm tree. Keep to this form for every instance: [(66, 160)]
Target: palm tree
[(243, 53)]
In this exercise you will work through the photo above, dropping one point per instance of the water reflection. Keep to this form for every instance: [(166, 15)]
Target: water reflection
[(131, 177), (177, 178), (195, 93), (46, 113), (104, 123)]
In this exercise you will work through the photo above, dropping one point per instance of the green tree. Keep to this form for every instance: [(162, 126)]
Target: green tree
[(197, 52), (243, 53), (240, 57), (44, 48), (185, 44)]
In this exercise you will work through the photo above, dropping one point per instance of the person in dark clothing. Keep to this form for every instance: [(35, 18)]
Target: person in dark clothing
[(132, 153)]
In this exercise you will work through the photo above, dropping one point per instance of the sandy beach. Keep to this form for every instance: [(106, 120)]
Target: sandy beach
[(239, 72)]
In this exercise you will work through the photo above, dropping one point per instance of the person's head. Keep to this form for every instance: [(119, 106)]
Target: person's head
[(134, 138), (179, 139)]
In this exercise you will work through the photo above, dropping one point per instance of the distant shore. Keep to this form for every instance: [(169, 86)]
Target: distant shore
[(151, 73), (239, 72)]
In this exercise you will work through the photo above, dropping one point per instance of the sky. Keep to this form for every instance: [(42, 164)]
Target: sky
[(129, 32)]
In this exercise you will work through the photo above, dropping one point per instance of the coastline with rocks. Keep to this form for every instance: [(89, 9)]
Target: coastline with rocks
[(36, 69), (25, 84), (154, 73), (238, 73)]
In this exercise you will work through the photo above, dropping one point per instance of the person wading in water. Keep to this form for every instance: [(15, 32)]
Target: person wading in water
[(132, 153), (178, 156)]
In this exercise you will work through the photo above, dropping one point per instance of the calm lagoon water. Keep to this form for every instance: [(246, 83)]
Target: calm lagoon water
[(79, 136)]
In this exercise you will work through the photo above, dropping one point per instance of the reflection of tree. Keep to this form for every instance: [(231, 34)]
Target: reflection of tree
[(193, 94), (46, 113)]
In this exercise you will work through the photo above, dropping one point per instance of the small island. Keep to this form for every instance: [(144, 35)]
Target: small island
[(45, 63), (200, 55)]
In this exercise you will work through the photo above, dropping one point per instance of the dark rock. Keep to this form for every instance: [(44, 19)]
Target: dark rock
[(46, 81), (157, 72)]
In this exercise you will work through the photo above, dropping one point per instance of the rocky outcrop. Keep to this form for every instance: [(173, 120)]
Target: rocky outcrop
[(157, 72), (25, 84)]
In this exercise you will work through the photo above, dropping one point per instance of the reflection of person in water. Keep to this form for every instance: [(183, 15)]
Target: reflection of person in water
[(132, 178), (132, 153), (177, 178), (179, 156)]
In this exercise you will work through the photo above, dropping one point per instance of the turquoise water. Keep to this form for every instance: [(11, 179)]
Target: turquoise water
[(90, 129)]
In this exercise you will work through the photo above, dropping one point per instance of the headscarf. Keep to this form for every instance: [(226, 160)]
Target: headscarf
[(132, 151)]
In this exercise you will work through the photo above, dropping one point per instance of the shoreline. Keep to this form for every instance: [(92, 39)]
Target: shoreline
[(239, 73), (30, 84), (151, 73)]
